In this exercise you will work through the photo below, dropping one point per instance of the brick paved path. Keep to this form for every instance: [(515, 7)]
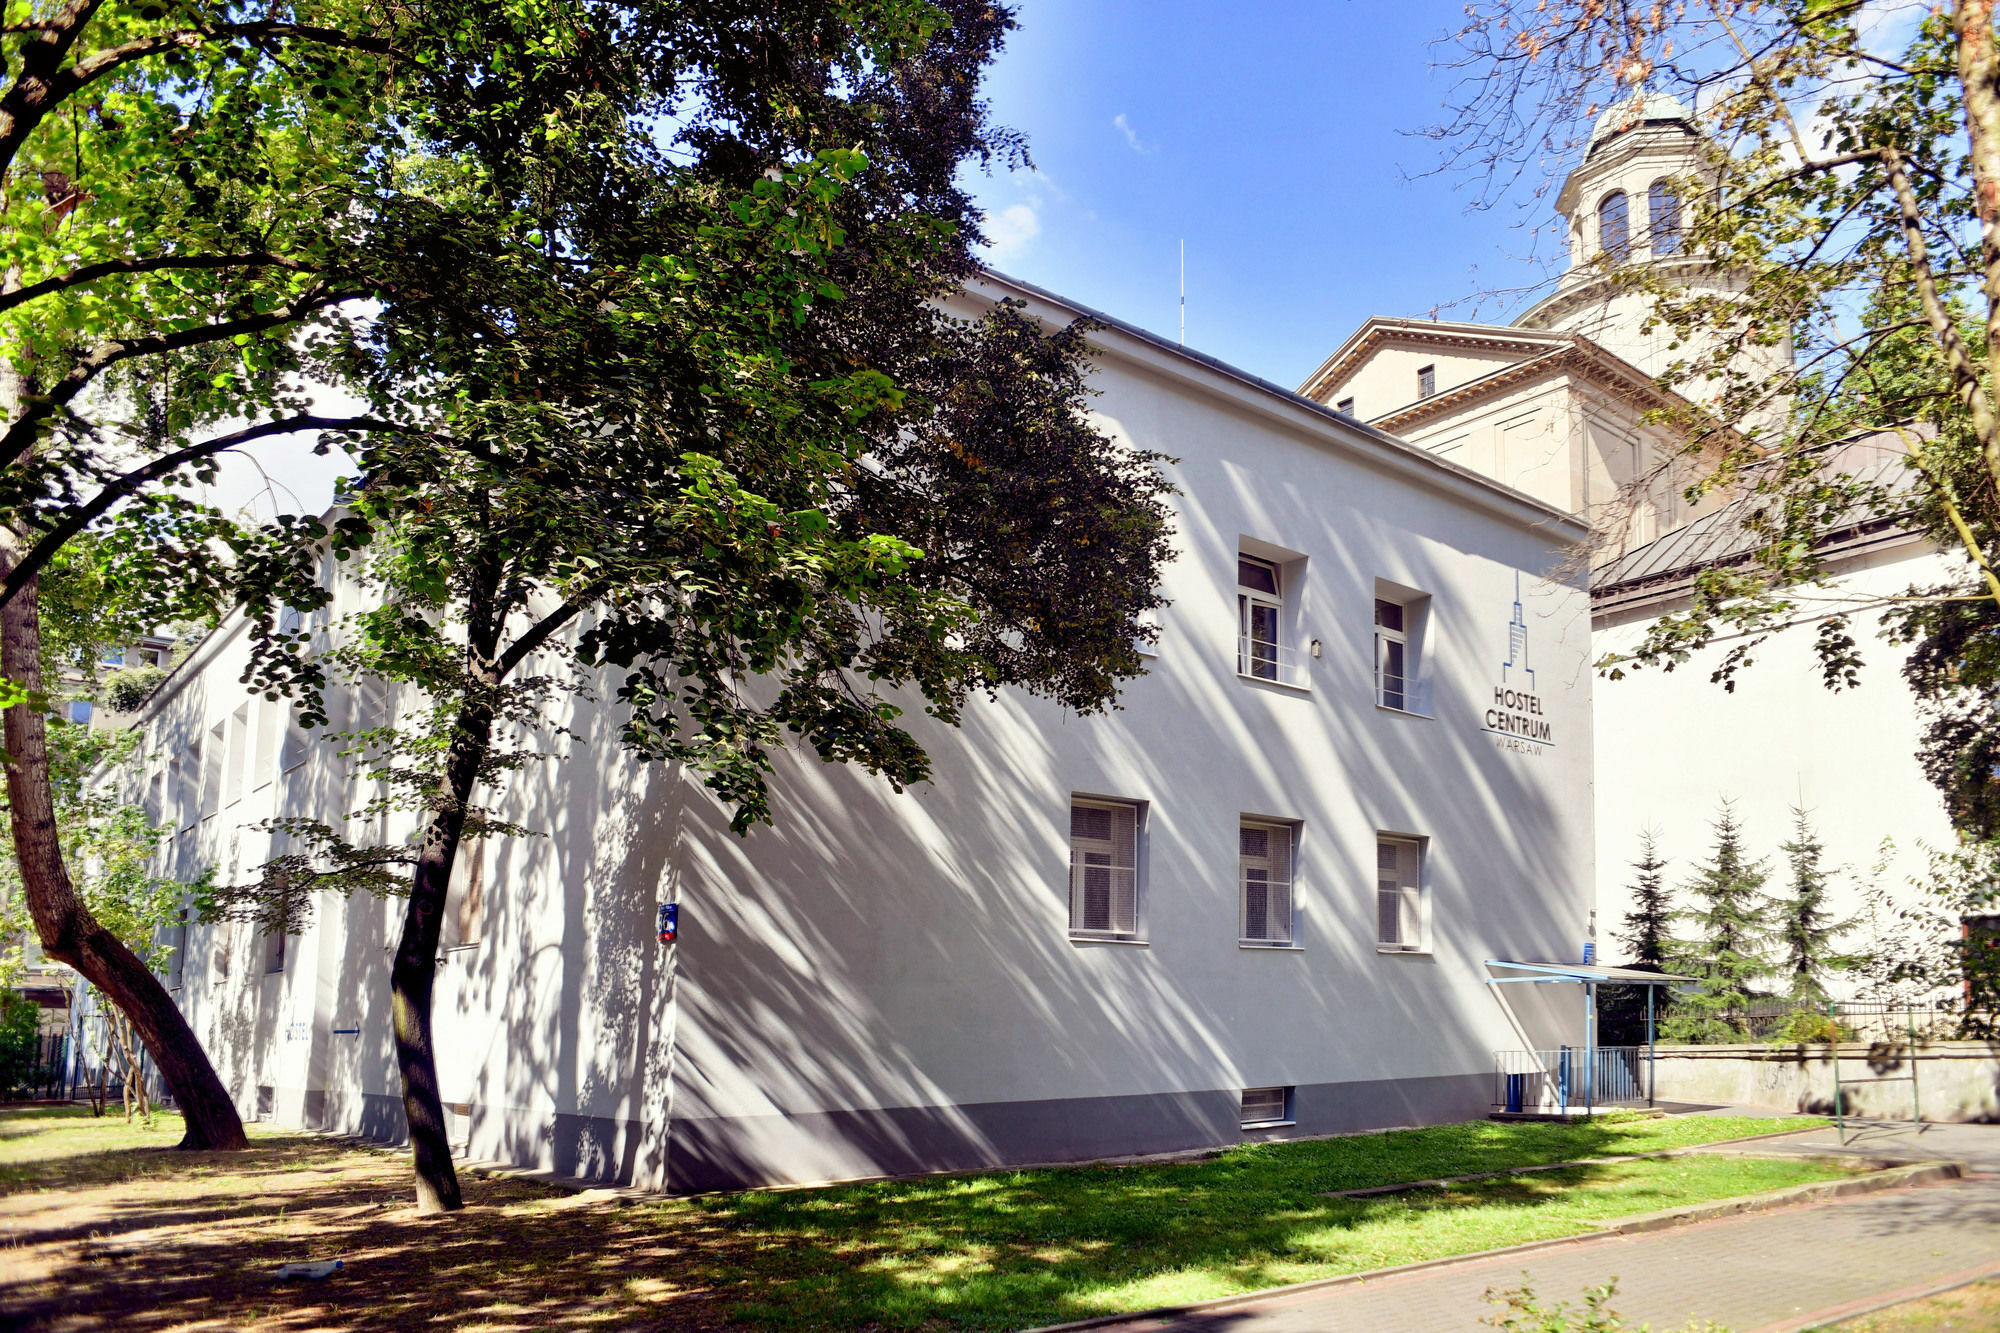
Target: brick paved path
[(1766, 1271)]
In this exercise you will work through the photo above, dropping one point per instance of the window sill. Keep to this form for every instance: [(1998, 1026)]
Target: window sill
[(1405, 712), (1268, 1124), (1109, 939), (1389, 951), (1275, 684), (1260, 946)]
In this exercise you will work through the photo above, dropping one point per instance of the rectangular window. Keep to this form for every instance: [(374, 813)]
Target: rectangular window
[(293, 752), (1392, 655), (465, 899), (1266, 1106), (1345, 407), (1427, 381), (239, 757), (177, 939), (211, 772), (274, 951), (1399, 900), (1103, 869), (1264, 872), (1259, 601)]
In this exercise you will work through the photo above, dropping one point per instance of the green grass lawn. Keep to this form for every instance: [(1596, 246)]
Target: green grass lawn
[(999, 1250), (1012, 1249)]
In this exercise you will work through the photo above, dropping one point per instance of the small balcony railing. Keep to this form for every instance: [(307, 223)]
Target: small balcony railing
[(1262, 659)]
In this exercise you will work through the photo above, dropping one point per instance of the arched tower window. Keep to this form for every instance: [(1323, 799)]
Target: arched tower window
[(1614, 226), (1663, 218)]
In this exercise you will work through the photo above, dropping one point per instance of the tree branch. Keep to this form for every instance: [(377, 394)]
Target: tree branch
[(79, 517), (43, 84), (111, 268), (36, 411), (1958, 360)]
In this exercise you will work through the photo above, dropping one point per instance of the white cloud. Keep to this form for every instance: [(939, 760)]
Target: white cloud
[(1009, 231), (1132, 140)]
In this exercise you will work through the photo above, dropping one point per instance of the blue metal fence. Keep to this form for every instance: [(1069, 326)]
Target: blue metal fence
[(1570, 1079)]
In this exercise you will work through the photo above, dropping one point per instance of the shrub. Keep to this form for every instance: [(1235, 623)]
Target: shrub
[(128, 689), (20, 1044)]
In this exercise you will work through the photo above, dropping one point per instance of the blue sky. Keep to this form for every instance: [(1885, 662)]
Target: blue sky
[(1279, 140)]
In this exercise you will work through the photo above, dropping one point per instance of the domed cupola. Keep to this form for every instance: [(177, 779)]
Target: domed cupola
[(1623, 203)]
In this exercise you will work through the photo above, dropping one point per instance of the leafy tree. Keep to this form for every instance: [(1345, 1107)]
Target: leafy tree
[(715, 427), (1806, 930), (1852, 190), (115, 846), (1647, 931), (223, 187), (1731, 921), (20, 1041)]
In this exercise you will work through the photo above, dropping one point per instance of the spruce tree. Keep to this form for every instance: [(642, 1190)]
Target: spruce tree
[(1647, 932), (1732, 927), (1806, 929)]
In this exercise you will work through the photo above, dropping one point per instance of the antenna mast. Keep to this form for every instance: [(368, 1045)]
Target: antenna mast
[(1184, 291)]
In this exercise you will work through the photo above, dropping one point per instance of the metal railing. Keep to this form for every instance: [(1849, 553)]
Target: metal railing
[(1569, 1078), (1264, 659), (47, 1076)]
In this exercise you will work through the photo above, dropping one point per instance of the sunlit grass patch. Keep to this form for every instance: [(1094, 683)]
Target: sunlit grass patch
[(996, 1250)]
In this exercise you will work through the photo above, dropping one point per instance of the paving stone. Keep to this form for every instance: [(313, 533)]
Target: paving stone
[(1761, 1271)]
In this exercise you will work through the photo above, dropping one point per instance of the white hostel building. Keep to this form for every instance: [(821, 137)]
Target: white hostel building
[(1254, 902)]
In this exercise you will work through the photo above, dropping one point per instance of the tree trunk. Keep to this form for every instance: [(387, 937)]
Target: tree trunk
[(68, 932), (413, 978)]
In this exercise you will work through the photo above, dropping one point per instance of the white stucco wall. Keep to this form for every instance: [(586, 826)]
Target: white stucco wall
[(1671, 745), (886, 981)]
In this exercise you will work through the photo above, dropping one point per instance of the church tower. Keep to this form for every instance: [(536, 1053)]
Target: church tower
[(1621, 205)]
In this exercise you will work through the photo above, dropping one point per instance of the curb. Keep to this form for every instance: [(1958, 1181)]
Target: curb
[(1920, 1173)]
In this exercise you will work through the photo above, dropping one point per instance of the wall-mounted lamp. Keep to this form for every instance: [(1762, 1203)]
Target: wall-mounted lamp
[(1315, 648)]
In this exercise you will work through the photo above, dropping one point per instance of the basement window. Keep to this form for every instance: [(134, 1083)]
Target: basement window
[(1264, 1107)]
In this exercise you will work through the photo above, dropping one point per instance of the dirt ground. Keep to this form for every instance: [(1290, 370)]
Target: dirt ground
[(196, 1246), (1970, 1309)]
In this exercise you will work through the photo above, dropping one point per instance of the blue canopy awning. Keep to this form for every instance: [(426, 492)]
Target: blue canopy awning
[(1553, 973)]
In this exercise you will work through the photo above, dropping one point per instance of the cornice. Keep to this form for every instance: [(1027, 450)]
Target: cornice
[(1380, 332), (1602, 368)]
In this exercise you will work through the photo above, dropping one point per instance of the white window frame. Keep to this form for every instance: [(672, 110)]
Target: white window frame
[(1249, 600), (1427, 382), (1393, 641), (1276, 871), (1412, 903), (1120, 868), (1345, 407), (1285, 1094)]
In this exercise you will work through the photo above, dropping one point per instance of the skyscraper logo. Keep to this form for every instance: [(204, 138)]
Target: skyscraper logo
[(1517, 641), (1516, 718)]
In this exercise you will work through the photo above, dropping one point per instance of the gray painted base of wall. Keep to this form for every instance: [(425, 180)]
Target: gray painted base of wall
[(725, 1153), (713, 1154)]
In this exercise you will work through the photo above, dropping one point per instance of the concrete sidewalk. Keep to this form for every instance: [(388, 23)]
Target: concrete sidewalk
[(1787, 1269)]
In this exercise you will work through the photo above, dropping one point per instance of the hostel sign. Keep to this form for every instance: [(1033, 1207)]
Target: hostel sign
[(1515, 718)]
